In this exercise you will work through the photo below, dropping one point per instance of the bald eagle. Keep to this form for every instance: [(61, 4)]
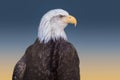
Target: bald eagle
[(51, 56)]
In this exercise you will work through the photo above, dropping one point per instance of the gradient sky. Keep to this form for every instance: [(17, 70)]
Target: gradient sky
[(96, 38)]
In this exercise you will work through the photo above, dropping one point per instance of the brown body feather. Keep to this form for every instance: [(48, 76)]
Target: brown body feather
[(51, 61)]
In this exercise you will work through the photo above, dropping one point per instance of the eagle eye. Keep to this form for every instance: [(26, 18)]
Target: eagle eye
[(61, 16)]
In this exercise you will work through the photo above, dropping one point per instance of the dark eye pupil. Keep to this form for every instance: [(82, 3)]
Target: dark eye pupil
[(61, 16)]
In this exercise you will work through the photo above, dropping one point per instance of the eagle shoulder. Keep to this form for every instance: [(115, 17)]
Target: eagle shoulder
[(20, 66), (68, 68), (19, 69)]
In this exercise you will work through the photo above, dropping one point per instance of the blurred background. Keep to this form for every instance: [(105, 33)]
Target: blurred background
[(96, 37)]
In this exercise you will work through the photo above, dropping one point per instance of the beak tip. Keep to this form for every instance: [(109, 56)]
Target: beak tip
[(75, 25)]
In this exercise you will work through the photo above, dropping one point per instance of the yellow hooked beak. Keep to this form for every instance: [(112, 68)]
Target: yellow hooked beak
[(70, 19)]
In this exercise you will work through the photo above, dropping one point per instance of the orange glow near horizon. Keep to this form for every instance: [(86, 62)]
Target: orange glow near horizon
[(100, 72)]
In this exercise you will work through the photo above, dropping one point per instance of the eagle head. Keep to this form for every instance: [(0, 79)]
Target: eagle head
[(53, 23)]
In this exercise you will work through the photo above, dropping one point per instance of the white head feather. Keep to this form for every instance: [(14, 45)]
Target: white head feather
[(51, 26)]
